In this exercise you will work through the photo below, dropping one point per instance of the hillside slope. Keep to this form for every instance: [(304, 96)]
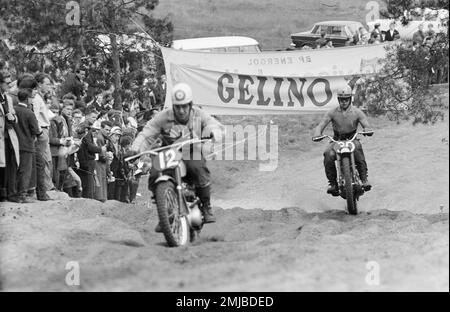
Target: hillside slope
[(269, 21)]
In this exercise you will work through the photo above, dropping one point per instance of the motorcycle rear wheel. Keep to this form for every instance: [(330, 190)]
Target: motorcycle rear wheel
[(350, 194), (174, 226)]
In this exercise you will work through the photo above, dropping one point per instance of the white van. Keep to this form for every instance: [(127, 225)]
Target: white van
[(230, 44)]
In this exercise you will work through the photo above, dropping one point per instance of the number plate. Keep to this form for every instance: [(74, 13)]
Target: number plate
[(167, 160)]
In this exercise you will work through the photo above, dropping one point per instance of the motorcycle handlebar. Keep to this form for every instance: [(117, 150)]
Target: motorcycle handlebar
[(320, 138), (178, 146)]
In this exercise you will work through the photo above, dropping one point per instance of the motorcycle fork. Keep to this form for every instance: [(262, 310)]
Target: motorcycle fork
[(181, 202), (353, 164), (338, 168)]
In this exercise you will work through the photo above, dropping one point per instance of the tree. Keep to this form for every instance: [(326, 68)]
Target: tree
[(396, 8), (72, 29), (402, 87)]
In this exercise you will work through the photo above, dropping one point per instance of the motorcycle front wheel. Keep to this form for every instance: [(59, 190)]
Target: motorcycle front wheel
[(349, 192), (174, 226)]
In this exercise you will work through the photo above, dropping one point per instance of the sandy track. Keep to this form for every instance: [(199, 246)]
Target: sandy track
[(248, 250), (312, 246)]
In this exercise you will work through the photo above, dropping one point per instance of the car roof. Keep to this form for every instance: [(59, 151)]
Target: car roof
[(212, 42), (337, 23)]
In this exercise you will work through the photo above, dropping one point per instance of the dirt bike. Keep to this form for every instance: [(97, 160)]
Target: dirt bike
[(349, 182), (178, 207)]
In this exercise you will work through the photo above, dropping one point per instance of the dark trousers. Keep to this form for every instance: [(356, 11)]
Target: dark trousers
[(8, 174), (86, 174), (25, 172), (125, 191), (114, 190), (133, 187), (329, 158)]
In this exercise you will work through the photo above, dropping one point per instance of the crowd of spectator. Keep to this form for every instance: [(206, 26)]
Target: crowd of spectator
[(56, 137), (376, 36)]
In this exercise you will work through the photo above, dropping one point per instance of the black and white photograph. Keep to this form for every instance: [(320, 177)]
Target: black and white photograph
[(224, 151)]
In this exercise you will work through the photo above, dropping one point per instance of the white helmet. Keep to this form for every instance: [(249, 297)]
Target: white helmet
[(345, 92), (181, 94)]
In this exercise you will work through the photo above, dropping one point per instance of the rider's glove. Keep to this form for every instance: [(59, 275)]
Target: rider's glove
[(215, 135)]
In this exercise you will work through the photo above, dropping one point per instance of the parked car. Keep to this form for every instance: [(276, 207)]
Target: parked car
[(230, 44), (336, 31)]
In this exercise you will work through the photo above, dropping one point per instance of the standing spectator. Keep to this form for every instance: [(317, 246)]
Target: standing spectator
[(160, 91), (102, 164), (9, 142), (428, 49), (87, 159), (392, 34), (72, 182), (27, 129), (87, 154), (376, 31), (125, 177), (29, 84), (77, 119), (114, 148), (43, 154), (419, 35), (60, 139)]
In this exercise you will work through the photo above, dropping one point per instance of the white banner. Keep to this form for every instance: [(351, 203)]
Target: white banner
[(334, 65), (221, 93)]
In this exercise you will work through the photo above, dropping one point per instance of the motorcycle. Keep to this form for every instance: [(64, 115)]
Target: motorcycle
[(349, 183), (178, 207)]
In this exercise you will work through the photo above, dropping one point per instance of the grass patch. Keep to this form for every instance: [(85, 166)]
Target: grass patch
[(269, 22)]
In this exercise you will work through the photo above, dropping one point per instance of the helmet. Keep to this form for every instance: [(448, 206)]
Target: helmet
[(181, 94), (345, 92)]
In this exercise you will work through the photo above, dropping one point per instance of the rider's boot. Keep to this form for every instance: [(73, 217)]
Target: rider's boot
[(333, 188), (366, 184), (204, 193)]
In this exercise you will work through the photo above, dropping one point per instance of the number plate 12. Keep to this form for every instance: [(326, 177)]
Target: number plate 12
[(167, 160)]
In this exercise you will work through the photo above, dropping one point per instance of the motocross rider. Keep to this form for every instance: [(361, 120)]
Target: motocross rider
[(345, 119), (179, 121)]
